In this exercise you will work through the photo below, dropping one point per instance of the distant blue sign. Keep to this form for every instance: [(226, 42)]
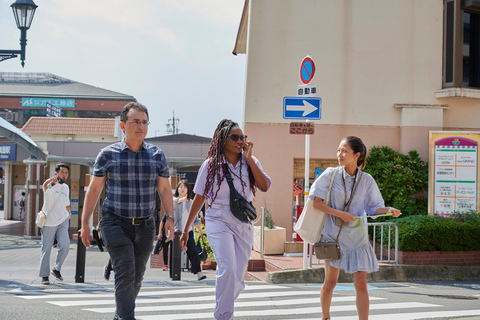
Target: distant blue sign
[(8, 152), (42, 102), (74, 206), (318, 172), (302, 108)]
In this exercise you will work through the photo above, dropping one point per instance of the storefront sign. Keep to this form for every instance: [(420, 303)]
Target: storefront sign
[(190, 177), (8, 152), (42, 102), (454, 174)]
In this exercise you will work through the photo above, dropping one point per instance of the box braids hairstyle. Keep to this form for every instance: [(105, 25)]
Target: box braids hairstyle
[(216, 156)]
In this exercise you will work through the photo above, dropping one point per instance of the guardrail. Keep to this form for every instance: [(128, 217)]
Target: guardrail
[(384, 224), (380, 258)]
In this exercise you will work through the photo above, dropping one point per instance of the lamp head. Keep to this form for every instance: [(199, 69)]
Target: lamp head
[(24, 10)]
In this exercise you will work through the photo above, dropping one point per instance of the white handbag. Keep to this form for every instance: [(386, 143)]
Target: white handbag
[(41, 219), (42, 215), (310, 224)]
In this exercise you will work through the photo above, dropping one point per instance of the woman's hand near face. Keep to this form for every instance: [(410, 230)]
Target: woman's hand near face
[(260, 179), (247, 150)]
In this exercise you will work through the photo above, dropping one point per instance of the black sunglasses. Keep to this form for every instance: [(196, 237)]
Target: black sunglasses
[(235, 137)]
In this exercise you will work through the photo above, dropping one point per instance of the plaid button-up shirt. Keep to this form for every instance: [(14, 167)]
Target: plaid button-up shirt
[(131, 178)]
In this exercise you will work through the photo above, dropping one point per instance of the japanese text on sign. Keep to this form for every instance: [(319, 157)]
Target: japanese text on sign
[(302, 128), (455, 175)]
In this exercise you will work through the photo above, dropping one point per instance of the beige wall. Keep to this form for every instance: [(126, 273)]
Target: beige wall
[(378, 71), (369, 56)]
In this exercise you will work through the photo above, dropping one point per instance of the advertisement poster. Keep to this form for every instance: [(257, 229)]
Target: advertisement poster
[(454, 172)]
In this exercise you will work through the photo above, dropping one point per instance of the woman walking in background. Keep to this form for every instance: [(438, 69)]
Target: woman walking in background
[(230, 239), (181, 207), (358, 191)]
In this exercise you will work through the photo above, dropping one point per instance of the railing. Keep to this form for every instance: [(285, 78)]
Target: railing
[(388, 248), (384, 224)]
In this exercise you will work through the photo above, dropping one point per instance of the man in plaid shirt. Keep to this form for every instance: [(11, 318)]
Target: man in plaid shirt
[(133, 171)]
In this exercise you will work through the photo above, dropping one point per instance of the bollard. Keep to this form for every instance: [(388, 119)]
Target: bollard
[(81, 255), (175, 257)]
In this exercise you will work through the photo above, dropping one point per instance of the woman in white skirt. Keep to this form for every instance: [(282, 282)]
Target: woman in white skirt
[(357, 191), (230, 239)]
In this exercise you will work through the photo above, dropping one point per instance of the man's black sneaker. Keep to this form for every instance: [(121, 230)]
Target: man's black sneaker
[(57, 274), (45, 280)]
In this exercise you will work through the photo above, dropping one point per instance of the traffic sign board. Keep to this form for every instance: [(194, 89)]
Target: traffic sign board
[(307, 69), (302, 128), (302, 108)]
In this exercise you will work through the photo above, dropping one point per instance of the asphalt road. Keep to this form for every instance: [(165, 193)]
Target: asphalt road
[(190, 299)]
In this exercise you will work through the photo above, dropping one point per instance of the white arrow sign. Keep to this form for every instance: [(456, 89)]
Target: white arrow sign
[(307, 108)]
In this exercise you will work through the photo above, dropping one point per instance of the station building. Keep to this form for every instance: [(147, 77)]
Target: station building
[(89, 121)]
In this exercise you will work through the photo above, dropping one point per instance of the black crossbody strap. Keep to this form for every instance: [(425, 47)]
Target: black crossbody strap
[(350, 202), (228, 176)]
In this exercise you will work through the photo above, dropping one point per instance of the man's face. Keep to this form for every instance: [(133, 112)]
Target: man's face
[(136, 126), (62, 173)]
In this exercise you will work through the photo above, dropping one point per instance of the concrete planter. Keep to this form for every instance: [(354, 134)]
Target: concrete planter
[(273, 240)]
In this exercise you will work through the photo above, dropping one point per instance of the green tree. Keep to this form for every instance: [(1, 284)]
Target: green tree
[(402, 179)]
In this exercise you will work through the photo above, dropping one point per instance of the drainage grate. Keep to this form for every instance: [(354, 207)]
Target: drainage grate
[(446, 296)]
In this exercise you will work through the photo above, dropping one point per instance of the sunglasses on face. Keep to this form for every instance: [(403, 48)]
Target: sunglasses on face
[(235, 137)]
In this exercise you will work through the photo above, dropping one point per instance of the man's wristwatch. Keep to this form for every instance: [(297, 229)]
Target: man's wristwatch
[(170, 217)]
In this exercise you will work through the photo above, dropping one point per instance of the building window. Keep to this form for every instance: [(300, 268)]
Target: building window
[(461, 44)]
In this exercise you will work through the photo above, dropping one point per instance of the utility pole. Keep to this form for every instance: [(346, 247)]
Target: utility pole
[(172, 125)]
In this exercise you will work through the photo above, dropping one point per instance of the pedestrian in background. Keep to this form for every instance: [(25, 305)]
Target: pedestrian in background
[(133, 172), (181, 203), (165, 244), (354, 189), (21, 204), (56, 203), (230, 239)]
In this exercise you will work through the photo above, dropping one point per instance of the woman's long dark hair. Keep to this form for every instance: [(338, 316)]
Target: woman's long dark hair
[(216, 156)]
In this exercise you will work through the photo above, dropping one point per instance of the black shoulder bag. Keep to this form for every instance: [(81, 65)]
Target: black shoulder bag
[(239, 206)]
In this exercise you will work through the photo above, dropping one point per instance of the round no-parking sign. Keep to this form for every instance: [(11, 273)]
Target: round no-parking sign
[(307, 70)]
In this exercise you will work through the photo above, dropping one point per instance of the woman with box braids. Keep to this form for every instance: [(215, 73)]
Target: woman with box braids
[(217, 156), (231, 240)]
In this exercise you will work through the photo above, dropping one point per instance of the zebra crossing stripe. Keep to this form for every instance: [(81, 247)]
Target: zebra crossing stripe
[(285, 312), (206, 306), (205, 297), (146, 293)]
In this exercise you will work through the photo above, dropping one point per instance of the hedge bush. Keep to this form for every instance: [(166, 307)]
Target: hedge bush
[(401, 179), (460, 232)]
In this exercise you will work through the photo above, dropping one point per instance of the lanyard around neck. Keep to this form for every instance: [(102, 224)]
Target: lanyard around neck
[(347, 202)]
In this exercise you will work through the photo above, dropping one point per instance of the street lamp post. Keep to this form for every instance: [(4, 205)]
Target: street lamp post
[(23, 11)]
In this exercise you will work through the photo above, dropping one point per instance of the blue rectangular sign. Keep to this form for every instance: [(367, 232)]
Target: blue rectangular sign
[(302, 108), (42, 102), (8, 152)]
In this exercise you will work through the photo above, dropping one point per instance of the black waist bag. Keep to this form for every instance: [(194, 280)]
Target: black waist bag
[(239, 206)]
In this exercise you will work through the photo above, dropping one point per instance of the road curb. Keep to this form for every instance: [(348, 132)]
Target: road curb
[(394, 273)]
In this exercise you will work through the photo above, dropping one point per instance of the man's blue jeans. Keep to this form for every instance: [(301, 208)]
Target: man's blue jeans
[(129, 248)]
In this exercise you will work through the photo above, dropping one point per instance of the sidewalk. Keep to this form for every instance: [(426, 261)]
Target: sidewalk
[(20, 258)]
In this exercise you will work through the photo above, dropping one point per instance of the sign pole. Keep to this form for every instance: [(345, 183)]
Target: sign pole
[(306, 190)]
